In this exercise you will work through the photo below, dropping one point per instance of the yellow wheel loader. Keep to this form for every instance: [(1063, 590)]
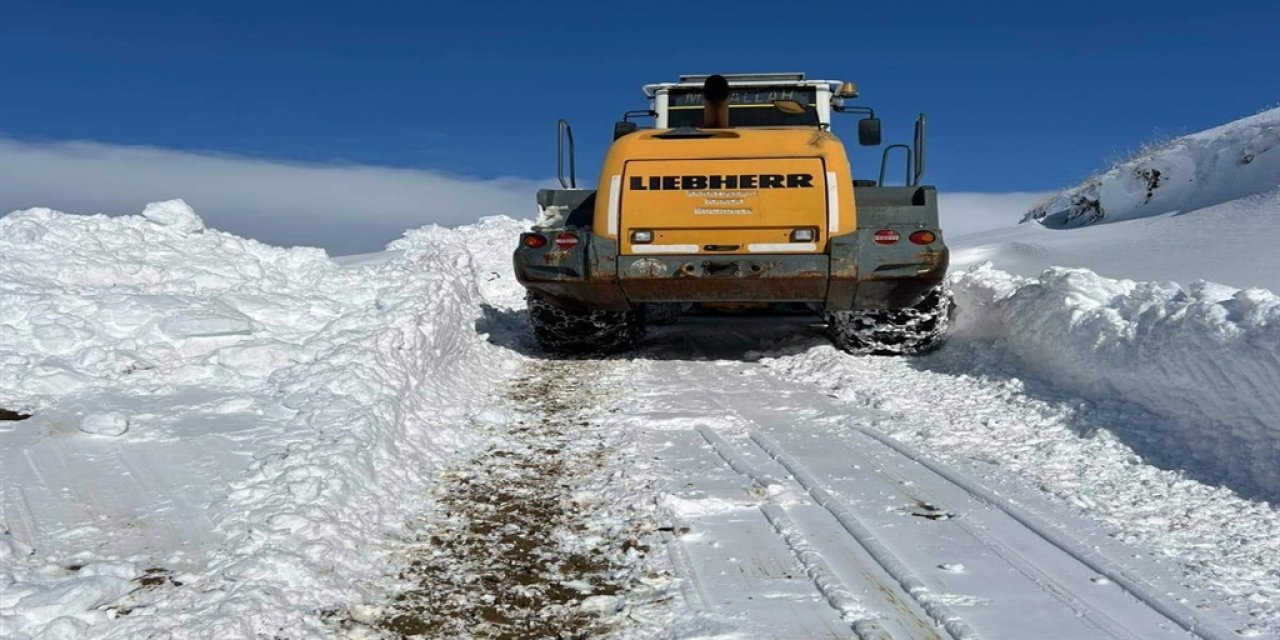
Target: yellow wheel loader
[(740, 193)]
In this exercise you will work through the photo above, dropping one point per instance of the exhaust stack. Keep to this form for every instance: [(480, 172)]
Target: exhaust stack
[(715, 103)]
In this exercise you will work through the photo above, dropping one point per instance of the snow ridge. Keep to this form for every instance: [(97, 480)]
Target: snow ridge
[(1209, 365)]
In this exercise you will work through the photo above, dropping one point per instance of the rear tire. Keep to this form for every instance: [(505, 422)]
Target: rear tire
[(572, 332), (917, 329)]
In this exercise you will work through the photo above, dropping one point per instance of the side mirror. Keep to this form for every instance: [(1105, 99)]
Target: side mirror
[(622, 128), (869, 132)]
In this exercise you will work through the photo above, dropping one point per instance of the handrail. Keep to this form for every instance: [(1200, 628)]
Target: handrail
[(919, 148), (563, 131), (884, 162)]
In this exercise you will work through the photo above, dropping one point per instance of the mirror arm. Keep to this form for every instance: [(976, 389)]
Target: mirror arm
[(870, 113)]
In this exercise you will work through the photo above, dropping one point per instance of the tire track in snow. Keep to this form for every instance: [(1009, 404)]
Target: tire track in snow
[(525, 541), (971, 409), (1184, 616), (824, 578), (944, 615), (987, 544)]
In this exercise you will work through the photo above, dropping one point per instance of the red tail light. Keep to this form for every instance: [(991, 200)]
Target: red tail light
[(567, 240), (533, 240), (886, 236), (923, 237)]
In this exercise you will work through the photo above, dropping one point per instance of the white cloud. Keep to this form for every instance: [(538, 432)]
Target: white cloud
[(962, 214), (343, 208)]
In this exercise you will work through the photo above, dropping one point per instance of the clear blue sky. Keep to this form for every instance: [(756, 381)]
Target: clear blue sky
[(1021, 95)]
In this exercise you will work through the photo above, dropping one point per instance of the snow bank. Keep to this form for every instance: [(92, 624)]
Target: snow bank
[(324, 396), (1218, 165), (1203, 207), (1206, 359), (92, 301)]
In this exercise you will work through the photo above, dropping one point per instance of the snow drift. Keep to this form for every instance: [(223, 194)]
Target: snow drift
[(314, 400), (1208, 363)]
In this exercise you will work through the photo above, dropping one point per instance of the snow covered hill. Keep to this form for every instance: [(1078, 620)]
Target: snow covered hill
[(1201, 207)]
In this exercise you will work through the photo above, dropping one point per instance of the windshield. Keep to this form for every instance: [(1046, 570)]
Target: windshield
[(747, 107)]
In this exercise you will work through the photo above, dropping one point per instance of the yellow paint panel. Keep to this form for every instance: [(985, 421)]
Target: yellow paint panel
[(723, 201), (808, 147)]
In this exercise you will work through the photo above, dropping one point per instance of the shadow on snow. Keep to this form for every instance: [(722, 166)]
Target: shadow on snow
[(738, 337), (1147, 434)]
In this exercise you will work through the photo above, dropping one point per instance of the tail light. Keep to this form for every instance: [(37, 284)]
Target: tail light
[(533, 240), (923, 237), (886, 236), (566, 240), (806, 234)]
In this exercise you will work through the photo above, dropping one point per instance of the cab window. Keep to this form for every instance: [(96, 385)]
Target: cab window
[(747, 107)]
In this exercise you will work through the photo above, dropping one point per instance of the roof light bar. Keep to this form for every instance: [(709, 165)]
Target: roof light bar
[(748, 77)]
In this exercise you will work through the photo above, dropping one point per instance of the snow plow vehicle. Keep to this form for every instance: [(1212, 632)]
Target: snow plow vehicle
[(740, 193)]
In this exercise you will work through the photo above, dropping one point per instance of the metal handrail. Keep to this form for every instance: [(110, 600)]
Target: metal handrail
[(563, 131), (919, 150), (884, 162)]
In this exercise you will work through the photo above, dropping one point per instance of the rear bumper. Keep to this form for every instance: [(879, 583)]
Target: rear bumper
[(856, 274), (736, 278)]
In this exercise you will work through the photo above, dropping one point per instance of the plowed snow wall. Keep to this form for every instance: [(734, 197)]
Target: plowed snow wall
[(1209, 365)]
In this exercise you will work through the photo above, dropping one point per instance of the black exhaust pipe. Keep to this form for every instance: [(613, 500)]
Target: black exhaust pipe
[(715, 103)]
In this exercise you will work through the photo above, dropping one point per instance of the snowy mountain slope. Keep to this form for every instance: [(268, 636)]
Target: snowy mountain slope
[(1233, 161), (1204, 206), (277, 412), (1233, 243)]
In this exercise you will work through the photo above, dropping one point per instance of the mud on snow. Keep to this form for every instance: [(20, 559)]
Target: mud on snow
[(547, 533)]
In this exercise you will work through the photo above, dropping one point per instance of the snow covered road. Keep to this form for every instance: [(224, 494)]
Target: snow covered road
[(796, 518), (230, 440)]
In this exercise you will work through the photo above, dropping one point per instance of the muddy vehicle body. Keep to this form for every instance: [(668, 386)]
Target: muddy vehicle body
[(739, 193)]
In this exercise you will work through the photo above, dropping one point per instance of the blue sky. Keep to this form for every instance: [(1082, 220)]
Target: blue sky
[(342, 124), (1022, 96)]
